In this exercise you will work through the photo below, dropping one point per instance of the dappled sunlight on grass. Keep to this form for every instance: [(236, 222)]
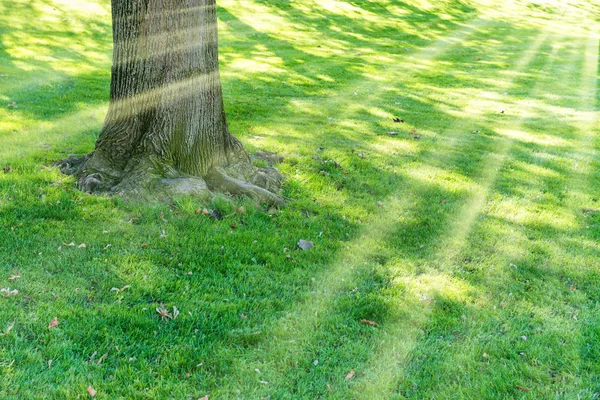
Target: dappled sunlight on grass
[(474, 225)]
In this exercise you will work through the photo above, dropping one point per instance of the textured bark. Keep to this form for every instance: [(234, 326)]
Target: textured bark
[(166, 118)]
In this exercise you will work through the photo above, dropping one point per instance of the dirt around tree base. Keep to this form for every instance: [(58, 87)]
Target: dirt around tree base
[(148, 179)]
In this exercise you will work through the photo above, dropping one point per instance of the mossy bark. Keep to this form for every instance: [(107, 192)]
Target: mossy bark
[(166, 130)]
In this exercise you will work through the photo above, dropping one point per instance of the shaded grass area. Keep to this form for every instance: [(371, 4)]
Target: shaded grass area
[(474, 248)]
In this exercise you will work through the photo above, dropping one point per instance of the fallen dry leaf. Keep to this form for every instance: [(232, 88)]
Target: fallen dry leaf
[(305, 244), (102, 358), (350, 375), (240, 210), (372, 323), (203, 398), (91, 391), (14, 276), (53, 324), (163, 312), (525, 389), (6, 292), (120, 290)]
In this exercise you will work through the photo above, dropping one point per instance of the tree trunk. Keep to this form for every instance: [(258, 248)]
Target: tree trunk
[(165, 130)]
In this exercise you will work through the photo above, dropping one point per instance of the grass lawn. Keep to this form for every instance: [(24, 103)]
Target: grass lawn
[(456, 259)]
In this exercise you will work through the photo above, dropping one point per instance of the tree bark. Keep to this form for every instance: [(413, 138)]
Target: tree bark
[(165, 129)]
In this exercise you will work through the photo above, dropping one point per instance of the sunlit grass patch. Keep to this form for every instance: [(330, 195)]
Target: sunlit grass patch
[(441, 156)]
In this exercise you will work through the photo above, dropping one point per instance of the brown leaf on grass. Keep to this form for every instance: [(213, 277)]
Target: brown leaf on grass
[(14, 276), (524, 389), (91, 391), (203, 398), (350, 375), (368, 322), (240, 210), (164, 313), (53, 324)]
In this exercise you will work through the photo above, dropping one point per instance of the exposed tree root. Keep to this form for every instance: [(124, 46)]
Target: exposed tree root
[(218, 180), (150, 179)]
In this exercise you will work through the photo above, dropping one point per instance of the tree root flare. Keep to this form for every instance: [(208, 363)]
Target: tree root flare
[(145, 180), (218, 180)]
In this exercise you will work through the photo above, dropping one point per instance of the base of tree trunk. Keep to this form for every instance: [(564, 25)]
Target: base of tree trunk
[(147, 178)]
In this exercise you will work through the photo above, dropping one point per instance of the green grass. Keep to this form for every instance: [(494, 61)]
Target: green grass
[(458, 245)]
